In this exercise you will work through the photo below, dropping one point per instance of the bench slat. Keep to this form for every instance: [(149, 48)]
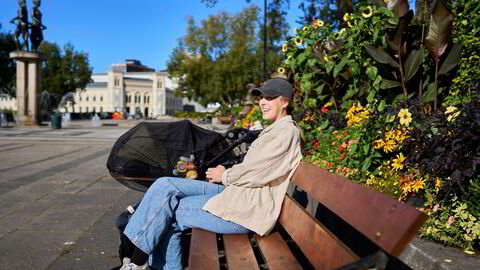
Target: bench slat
[(322, 248), (276, 253), (203, 251), (373, 214), (239, 252)]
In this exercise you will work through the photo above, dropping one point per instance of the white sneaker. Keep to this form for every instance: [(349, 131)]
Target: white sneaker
[(127, 265)]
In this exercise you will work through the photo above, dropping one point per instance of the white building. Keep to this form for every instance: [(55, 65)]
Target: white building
[(129, 88)]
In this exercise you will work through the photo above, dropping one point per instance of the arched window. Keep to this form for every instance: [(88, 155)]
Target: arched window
[(117, 81), (79, 97), (86, 98), (94, 98), (101, 98)]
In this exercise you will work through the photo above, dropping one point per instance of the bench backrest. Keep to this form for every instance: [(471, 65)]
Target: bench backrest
[(389, 224)]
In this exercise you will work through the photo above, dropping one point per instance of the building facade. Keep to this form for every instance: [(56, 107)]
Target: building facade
[(130, 88)]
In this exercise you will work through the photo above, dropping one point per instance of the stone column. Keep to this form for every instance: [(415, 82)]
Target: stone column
[(28, 85)]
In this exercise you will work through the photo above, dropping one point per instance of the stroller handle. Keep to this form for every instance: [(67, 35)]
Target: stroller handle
[(249, 137)]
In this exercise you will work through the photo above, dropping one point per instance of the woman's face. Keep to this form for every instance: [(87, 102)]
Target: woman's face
[(273, 108)]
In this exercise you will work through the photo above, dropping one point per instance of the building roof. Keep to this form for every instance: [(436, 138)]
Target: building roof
[(97, 85)]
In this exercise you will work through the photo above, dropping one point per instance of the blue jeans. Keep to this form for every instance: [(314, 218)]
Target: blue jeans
[(170, 206)]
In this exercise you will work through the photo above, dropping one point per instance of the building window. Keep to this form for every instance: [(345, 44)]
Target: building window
[(144, 99), (117, 81), (79, 98), (94, 98), (101, 109), (159, 83), (148, 99), (79, 109), (86, 98), (129, 99), (86, 109), (93, 109), (101, 98)]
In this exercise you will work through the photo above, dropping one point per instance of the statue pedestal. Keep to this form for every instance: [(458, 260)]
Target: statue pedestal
[(28, 84)]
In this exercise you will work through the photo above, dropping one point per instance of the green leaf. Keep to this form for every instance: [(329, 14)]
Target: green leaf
[(381, 106), (367, 163), (340, 66), (377, 154), (319, 89), (381, 56), (452, 59), (372, 72), (366, 148), (301, 58), (414, 60), (354, 148), (387, 84), (429, 95), (397, 38), (329, 66), (323, 125)]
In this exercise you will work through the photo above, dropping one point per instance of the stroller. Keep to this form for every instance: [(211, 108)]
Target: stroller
[(152, 150)]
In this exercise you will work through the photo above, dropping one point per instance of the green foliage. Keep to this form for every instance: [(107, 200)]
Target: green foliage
[(466, 31), (453, 225), (7, 65), (64, 71)]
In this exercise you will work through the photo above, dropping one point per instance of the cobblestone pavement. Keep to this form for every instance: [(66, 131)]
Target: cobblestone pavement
[(59, 202)]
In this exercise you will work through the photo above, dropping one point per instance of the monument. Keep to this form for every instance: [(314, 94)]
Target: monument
[(28, 62)]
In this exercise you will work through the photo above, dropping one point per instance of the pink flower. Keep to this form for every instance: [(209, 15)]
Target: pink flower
[(450, 221), (435, 208)]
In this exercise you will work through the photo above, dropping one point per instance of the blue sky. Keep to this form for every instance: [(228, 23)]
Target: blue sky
[(112, 31)]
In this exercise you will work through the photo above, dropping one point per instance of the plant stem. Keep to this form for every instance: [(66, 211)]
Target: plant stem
[(436, 85), (401, 73)]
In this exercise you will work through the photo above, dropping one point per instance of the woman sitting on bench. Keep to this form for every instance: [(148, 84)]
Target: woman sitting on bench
[(249, 200)]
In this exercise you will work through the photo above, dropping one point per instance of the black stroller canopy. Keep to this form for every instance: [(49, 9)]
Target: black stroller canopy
[(153, 149)]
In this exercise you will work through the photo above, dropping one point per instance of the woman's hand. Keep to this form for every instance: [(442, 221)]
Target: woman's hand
[(214, 175)]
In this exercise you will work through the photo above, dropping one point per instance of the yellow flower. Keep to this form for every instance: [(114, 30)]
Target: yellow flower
[(346, 16), (397, 163), (298, 41), (285, 48), (328, 104), (419, 184), (389, 145), (390, 135), (405, 117), (385, 1), (305, 28), (369, 14), (319, 23), (378, 144), (325, 58), (342, 31), (438, 184), (349, 24), (451, 109), (452, 117), (289, 57), (287, 61), (281, 70), (297, 31)]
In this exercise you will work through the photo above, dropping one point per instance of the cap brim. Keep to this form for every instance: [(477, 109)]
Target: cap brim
[(264, 92)]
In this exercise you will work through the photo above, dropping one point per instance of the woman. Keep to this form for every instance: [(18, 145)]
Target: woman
[(249, 200)]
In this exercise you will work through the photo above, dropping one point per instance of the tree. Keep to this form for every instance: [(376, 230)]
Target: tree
[(216, 60), (7, 65), (65, 71)]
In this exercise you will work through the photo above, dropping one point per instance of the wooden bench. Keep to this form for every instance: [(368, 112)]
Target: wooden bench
[(370, 230)]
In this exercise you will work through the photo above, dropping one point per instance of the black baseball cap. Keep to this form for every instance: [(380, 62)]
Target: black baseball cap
[(274, 88)]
